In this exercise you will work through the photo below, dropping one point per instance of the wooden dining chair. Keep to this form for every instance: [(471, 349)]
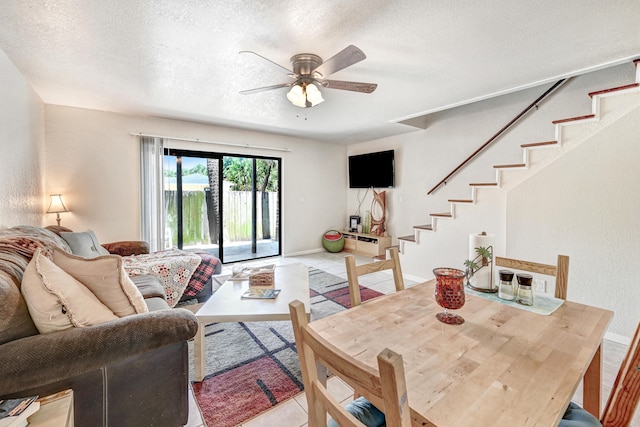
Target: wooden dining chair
[(354, 271), (560, 271), (385, 388), (624, 397)]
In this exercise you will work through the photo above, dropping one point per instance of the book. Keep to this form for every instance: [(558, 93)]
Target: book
[(14, 412), (13, 407), (256, 293)]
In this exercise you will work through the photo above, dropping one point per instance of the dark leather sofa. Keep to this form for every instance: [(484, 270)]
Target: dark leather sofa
[(132, 371)]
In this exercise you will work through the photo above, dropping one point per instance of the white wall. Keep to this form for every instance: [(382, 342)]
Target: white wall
[(94, 161), (590, 214), (426, 156), (21, 145)]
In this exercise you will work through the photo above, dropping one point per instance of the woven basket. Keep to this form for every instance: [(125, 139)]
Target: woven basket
[(333, 241), (261, 279)]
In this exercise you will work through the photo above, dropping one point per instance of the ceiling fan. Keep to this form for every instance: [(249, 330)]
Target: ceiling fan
[(309, 70)]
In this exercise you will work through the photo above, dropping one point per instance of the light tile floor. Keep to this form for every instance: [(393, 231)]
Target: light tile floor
[(293, 413)]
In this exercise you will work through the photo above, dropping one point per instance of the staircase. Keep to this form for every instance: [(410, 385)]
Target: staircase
[(569, 132)]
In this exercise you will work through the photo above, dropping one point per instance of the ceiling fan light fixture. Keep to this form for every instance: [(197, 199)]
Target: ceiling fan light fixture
[(305, 95), (297, 96), (313, 95)]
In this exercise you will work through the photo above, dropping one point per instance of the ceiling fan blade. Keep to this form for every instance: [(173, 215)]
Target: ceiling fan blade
[(264, 89), (271, 63), (352, 86), (343, 59)]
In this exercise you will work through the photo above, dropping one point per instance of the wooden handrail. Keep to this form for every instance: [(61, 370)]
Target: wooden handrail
[(500, 132)]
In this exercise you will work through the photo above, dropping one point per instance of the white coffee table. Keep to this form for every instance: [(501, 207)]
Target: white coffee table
[(225, 305)]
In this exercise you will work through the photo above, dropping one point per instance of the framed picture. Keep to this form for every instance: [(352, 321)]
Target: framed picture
[(354, 220)]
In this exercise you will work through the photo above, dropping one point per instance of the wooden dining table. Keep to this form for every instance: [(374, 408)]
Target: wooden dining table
[(504, 366)]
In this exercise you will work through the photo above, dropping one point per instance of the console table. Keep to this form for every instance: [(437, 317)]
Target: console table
[(365, 244)]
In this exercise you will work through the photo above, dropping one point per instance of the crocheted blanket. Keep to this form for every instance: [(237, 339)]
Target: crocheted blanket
[(173, 267)]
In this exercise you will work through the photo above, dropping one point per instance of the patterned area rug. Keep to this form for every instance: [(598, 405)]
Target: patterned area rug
[(252, 366)]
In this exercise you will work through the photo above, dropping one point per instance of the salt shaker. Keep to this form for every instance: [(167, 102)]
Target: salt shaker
[(525, 293), (506, 289)]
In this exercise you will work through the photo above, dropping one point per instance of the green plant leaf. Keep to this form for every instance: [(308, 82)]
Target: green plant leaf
[(484, 252), (471, 265)]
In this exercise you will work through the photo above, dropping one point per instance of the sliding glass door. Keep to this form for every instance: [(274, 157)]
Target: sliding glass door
[(226, 205), (251, 208)]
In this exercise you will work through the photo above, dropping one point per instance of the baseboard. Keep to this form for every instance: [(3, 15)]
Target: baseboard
[(307, 252), (406, 276), (414, 278)]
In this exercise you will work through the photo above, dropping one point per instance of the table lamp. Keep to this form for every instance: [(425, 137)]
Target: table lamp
[(57, 206)]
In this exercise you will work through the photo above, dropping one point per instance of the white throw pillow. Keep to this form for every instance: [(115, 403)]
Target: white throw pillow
[(84, 244), (57, 301), (106, 278)]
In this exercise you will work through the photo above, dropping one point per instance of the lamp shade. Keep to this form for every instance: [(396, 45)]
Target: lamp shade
[(313, 95), (57, 205), (297, 97)]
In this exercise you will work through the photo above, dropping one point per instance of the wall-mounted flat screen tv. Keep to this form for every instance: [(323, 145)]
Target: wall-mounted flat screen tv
[(372, 170)]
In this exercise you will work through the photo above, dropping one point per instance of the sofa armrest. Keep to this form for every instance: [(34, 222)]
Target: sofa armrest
[(128, 247), (43, 359)]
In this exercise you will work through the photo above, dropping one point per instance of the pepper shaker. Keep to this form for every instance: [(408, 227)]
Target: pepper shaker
[(506, 289), (525, 293)]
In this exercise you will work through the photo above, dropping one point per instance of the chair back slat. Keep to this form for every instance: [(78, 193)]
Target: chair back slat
[(340, 363), (624, 397), (562, 277), (333, 408), (394, 392), (559, 271), (353, 272)]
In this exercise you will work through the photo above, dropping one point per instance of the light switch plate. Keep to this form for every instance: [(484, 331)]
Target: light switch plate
[(541, 285)]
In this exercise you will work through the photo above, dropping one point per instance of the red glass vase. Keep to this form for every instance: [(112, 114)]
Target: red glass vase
[(449, 294)]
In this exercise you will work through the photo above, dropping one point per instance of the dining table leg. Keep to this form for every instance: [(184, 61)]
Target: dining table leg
[(592, 384)]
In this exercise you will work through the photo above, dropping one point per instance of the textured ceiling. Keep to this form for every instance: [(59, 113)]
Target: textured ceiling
[(180, 59)]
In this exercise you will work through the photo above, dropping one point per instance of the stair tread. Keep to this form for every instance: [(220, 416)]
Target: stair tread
[(407, 238), (424, 227), (444, 214), (574, 119), (512, 165), (538, 144), (460, 200), (614, 89), (478, 184)]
